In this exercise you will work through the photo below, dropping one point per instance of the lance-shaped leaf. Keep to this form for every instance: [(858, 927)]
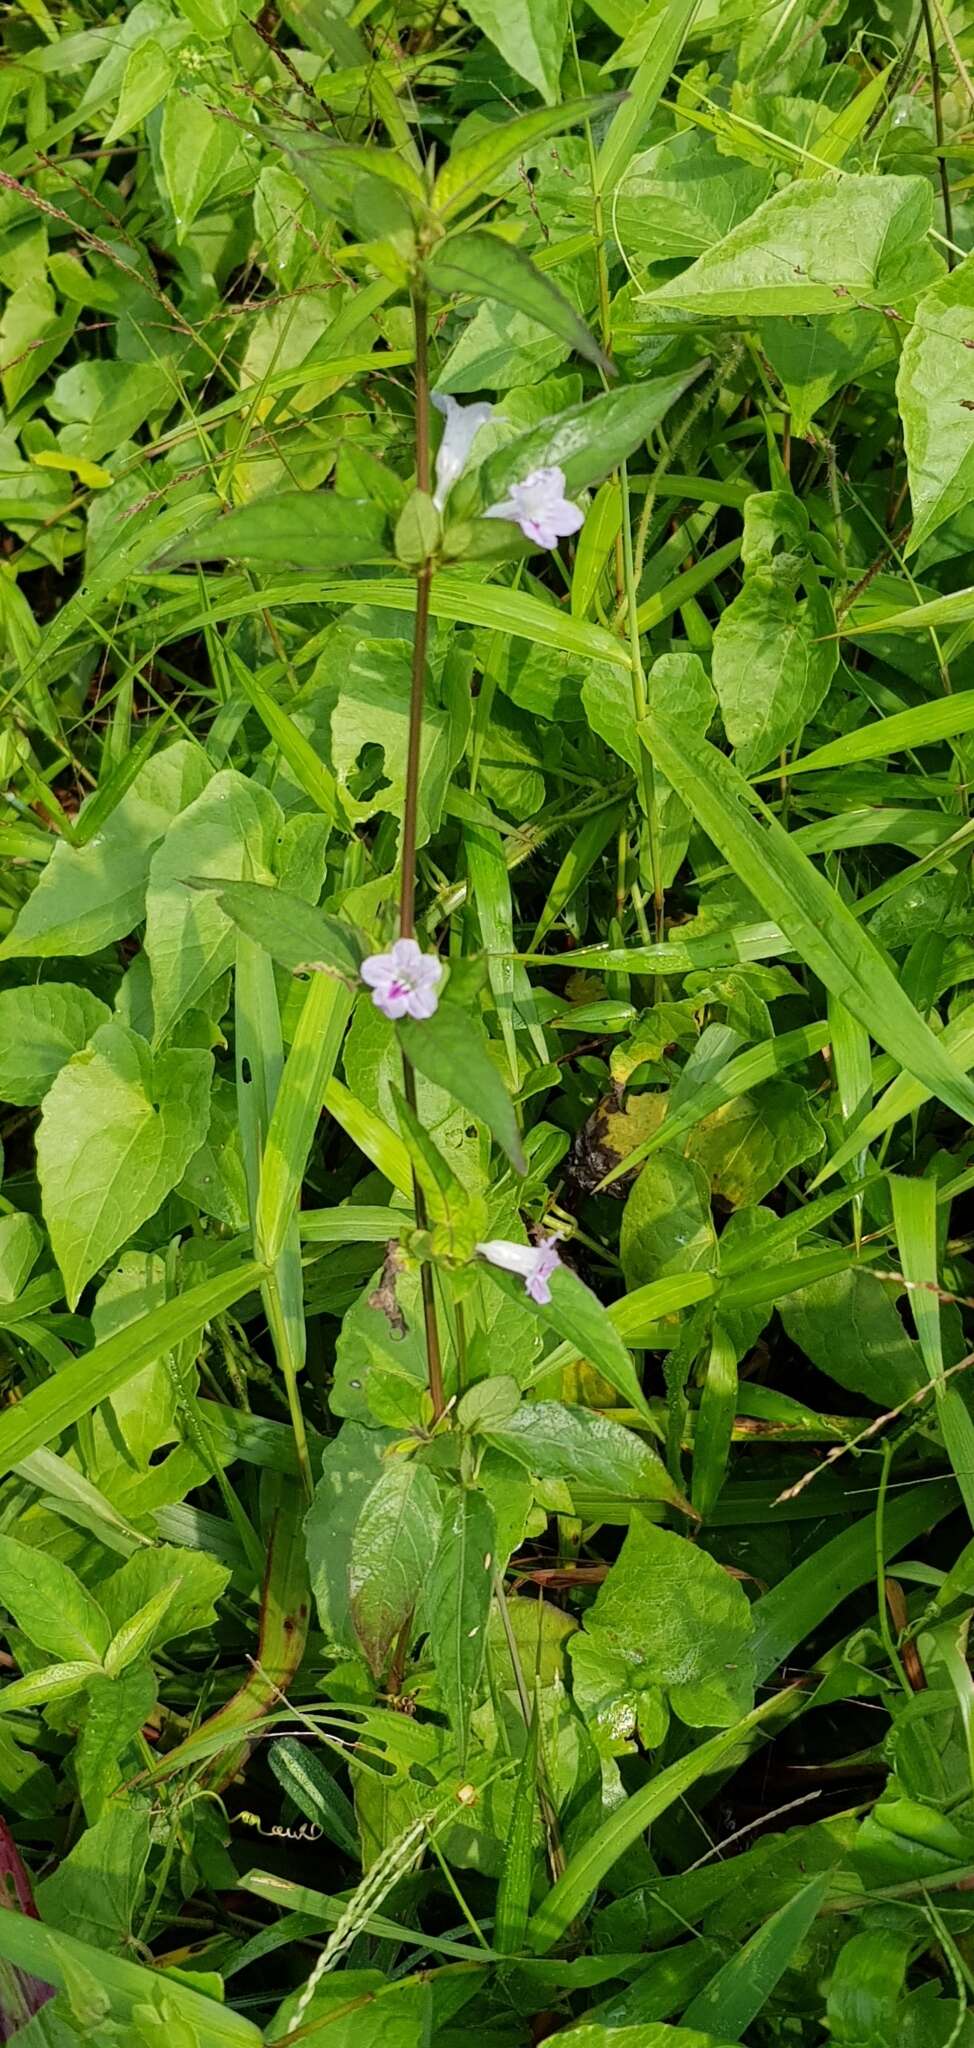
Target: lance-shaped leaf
[(450, 1048), (392, 1551), (294, 933), (458, 1603), (468, 171), (587, 441), (288, 529), (487, 268)]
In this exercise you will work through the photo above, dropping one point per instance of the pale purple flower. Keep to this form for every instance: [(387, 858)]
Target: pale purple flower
[(534, 1262), (463, 423), (538, 505), (403, 981)]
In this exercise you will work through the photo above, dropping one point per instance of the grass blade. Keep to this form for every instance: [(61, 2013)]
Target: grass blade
[(820, 926)]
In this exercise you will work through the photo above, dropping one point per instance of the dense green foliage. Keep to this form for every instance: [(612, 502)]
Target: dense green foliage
[(493, 1417)]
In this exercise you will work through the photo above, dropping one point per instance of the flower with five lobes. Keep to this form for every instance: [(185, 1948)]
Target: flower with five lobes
[(403, 981), (538, 505), (534, 1262), (463, 423)]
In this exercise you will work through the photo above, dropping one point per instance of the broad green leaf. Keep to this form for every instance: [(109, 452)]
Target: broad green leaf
[(133, 1638), (118, 1708), (934, 391), (32, 335), (678, 687), (21, 1243), (666, 1224), (50, 1604), (118, 1128), (351, 1464), (530, 35), (229, 831), (681, 196), (671, 1621), (195, 149), (458, 1592), (587, 440), (372, 711), (197, 1581), (810, 247), (738, 1077), (148, 77), (748, 1145), (39, 1029), (393, 1548), (450, 1048), (818, 924), (103, 402), (735, 1996), (814, 356), (468, 171), (594, 1458), (298, 529), (630, 122), (52, 1682), (87, 897), (774, 656), (483, 266), (866, 1987), (850, 1329), (41, 1417), (95, 1892)]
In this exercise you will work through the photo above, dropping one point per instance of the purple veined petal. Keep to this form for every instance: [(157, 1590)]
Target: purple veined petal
[(405, 956), (423, 1002), (393, 1000), (375, 970), (404, 980), (428, 972), (536, 1285)]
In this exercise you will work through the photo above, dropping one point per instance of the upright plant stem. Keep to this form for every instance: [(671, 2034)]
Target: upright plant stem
[(407, 886), (938, 124), (640, 705)]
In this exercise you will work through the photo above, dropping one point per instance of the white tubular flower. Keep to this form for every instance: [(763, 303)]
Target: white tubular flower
[(534, 1262), (463, 422)]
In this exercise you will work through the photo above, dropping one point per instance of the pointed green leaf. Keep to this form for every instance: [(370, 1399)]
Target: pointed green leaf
[(450, 1048), (483, 266), (298, 529), (393, 1549), (458, 1594)]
